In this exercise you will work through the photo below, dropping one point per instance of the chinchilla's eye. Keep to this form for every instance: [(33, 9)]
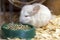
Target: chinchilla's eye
[(26, 16)]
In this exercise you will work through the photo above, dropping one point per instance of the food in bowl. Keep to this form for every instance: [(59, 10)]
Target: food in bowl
[(14, 26)]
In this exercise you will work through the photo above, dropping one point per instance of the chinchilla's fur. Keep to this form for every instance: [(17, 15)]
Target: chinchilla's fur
[(36, 14)]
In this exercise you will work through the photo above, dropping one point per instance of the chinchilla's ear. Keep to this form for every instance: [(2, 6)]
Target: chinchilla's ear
[(35, 9)]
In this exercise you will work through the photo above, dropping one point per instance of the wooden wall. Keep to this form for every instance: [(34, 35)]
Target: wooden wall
[(54, 6)]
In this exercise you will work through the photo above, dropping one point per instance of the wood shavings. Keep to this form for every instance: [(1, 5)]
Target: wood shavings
[(51, 31)]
